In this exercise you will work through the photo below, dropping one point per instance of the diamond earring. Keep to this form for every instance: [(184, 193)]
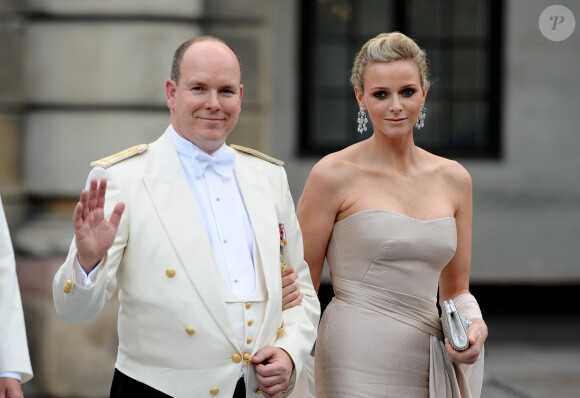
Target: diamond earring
[(362, 120), (421, 119)]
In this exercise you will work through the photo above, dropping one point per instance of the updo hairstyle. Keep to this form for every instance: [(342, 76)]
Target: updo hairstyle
[(389, 47)]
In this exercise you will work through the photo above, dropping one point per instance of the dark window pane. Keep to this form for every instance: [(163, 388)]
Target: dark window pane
[(470, 124), (374, 17), (462, 41), (470, 18), (470, 69), (428, 18), (333, 16), (332, 63), (329, 121), (439, 61)]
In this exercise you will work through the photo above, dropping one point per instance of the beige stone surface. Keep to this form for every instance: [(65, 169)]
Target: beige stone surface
[(47, 234), (59, 146), (11, 53), (250, 131), (181, 8), (69, 360), (255, 9), (7, 6), (10, 169), (252, 45), (112, 63), (9, 149)]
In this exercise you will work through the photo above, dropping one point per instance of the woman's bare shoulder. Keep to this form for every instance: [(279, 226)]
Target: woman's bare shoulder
[(450, 170), (335, 168)]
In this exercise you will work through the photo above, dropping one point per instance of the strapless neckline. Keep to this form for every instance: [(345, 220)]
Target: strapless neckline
[(394, 213)]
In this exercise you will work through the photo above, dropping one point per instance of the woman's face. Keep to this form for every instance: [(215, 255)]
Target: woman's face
[(393, 96)]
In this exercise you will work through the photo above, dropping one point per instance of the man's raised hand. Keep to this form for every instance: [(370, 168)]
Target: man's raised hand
[(93, 233)]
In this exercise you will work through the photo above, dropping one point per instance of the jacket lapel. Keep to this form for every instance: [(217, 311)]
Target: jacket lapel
[(262, 212), (176, 208)]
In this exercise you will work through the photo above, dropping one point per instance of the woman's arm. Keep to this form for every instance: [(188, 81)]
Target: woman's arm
[(454, 279), (317, 209)]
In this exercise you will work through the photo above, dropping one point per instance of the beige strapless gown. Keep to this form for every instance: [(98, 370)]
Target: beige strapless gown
[(380, 336)]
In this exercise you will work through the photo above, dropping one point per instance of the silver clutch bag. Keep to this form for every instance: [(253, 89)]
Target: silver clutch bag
[(454, 326)]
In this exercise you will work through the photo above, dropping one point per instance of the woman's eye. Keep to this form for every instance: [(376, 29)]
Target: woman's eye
[(380, 94), (408, 92)]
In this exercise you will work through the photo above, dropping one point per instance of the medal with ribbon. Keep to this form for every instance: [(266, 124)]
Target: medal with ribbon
[(283, 243)]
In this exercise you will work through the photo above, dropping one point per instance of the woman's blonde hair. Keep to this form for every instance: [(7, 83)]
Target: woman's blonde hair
[(389, 47)]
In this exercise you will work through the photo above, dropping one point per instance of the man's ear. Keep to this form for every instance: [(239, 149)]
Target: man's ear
[(170, 89)]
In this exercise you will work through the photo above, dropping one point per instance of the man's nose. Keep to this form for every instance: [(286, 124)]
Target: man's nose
[(212, 100)]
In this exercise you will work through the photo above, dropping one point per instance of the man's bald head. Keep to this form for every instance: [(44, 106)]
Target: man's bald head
[(178, 56)]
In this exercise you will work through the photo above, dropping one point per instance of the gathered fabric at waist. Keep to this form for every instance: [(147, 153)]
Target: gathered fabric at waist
[(403, 307)]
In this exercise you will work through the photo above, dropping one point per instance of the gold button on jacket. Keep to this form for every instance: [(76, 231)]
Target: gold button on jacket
[(170, 272), (189, 331), (248, 305), (237, 357), (68, 286), (214, 391)]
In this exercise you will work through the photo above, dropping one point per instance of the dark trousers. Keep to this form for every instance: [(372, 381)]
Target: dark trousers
[(125, 387), (240, 391)]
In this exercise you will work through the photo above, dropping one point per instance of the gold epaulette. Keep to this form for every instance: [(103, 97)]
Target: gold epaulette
[(116, 158), (258, 154)]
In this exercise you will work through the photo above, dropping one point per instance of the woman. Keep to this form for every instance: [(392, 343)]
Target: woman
[(394, 223)]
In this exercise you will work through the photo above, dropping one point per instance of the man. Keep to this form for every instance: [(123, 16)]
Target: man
[(196, 237), (14, 359)]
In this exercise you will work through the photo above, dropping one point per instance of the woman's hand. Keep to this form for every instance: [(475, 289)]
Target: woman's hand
[(477, 334)]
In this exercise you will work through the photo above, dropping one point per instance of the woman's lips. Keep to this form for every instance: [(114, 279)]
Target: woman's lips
[(396, 120)]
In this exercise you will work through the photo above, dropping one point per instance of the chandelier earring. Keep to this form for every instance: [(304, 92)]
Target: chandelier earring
[(421, 119), (362, 120)]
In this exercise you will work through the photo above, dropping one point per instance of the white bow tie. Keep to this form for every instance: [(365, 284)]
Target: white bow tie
[(222, 163)]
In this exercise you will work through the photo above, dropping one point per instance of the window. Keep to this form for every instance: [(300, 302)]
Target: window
[(462, 41)]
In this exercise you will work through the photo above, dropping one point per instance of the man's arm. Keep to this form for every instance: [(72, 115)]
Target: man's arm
[(100, 236), (14, 357), (300, 323)]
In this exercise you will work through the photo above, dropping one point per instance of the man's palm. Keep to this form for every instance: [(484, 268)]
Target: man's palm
[(94, 234)]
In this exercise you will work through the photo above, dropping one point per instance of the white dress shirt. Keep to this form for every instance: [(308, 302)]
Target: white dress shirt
[(224, 216)]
